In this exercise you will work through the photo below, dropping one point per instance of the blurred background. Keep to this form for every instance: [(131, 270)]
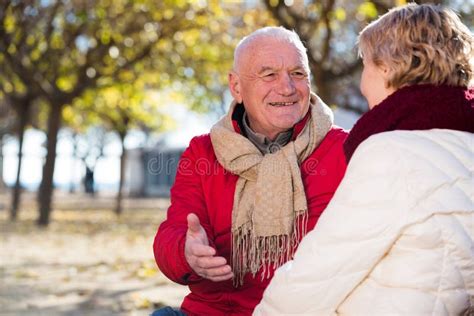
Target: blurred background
[(98, 99)]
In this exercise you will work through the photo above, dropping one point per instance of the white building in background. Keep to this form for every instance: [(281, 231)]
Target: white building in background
[(151, 171)]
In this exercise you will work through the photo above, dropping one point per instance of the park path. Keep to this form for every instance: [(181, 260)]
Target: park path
[(87, 262)]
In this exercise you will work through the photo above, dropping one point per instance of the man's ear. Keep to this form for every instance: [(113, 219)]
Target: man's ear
[(234, 86)]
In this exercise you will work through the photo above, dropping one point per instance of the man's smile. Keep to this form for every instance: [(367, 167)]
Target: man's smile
[(279, 104)]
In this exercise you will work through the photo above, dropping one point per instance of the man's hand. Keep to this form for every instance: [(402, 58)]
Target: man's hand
[(201, 257)]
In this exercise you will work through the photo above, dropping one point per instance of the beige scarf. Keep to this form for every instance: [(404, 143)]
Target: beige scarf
[(269, 195)]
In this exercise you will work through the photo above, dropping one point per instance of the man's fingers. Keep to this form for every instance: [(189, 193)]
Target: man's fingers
[(193, 223), (200, 250), (222, 271), (221, 277), (218, 272), (211, 262)]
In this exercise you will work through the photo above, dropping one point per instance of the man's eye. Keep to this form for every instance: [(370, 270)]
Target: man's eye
[(298, 74), (269, 76)]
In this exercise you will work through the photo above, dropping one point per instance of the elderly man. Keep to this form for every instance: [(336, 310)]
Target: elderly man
[(246, 193)]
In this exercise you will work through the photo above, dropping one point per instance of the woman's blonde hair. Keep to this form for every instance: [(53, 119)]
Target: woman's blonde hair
[(420, 44)]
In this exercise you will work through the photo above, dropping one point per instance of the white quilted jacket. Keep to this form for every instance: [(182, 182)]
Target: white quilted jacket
[(397, 238)]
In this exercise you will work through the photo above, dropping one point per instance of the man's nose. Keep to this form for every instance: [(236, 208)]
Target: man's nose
[(286, 85)]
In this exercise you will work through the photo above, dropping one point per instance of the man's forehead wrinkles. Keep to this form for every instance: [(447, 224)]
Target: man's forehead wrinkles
[(279, 66), (264, 69)]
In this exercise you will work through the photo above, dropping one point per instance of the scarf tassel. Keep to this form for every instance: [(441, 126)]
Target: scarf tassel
[(250, 253)]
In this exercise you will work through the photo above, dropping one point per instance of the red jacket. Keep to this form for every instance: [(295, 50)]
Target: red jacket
[(204, 187)]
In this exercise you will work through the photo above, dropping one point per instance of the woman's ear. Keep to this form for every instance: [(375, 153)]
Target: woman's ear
[(386, 74), (385, 70), (234, 86)]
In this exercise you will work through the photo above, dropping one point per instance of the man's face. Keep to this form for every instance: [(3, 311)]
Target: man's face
[(272, 81)]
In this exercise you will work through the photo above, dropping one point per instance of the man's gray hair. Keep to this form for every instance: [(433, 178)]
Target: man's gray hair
[(278, 33)]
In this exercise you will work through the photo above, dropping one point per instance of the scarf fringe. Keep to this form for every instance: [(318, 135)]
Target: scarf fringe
[(251, 253)]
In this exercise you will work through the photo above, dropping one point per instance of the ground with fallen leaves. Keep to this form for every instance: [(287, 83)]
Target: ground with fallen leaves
[(87, 262)]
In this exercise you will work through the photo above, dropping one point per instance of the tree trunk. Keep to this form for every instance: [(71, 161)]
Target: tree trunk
[(323, 89), (2, 183), (123, 158), (45, 192), (72, 184), (22, 122)]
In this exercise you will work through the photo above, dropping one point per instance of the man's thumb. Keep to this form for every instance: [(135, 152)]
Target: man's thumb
[(193, 223)]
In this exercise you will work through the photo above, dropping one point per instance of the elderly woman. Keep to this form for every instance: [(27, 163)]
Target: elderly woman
[(397, 238)]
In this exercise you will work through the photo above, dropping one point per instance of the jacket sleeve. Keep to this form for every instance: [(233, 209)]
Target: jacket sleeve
[(186, 197), (358, 227)]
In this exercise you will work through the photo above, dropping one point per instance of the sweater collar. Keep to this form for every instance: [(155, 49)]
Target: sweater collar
[(263, 143)]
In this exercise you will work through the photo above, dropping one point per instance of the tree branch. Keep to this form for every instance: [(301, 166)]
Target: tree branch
[(327, 21), (49, 22), (351, 108), (277, 14), (331, 75), (381, 6)]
